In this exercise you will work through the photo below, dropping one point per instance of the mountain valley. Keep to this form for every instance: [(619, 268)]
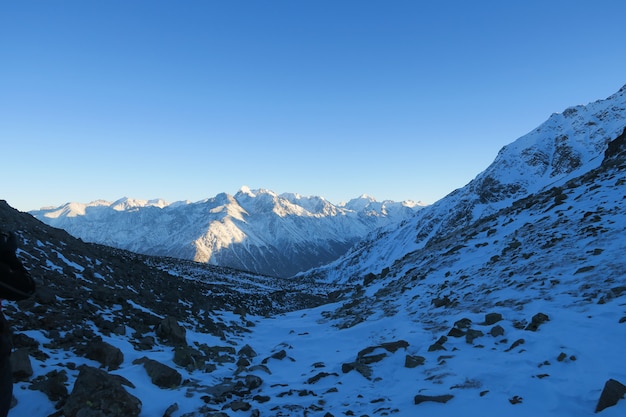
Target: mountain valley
[(506, 297)]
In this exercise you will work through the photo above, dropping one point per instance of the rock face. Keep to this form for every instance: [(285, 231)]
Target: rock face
[(97, 393)]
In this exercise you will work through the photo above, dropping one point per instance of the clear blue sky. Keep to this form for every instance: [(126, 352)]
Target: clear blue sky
[(186, 99)]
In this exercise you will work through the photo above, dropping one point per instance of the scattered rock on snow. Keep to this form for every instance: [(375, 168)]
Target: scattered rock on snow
[(247, 352), (108, 355), (161, 375), (438, 345), (492, 318), (413, 361), (319, 376), (536, 321), (496, 331), (472, 334), (169, 331), (434, 398), (613, 391)]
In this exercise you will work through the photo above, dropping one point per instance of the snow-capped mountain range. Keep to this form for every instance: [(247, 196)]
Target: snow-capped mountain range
[(253, 230), (507, 297)]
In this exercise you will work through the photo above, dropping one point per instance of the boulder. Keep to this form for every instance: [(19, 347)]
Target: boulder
[(161, 375), (108, 355), (456, 332), (361, 368), (438, 345), (20, 364), (253, 382), (97, 393), (52, 384), (496, 331), (169, 331), (536, 321), (613, 392), (247, 352), (319, 376), (472, 334), (492, 318), (434, 398), (463, 323), (413, 361)]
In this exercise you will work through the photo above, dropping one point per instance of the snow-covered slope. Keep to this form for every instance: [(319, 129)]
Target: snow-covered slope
[(567, 145), (255, 230)]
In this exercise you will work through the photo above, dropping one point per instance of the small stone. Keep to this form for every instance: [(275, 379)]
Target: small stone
[(562, 356)]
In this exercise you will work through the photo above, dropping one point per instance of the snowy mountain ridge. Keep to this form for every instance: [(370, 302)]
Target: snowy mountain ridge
[(257, 230), (567, 145)]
